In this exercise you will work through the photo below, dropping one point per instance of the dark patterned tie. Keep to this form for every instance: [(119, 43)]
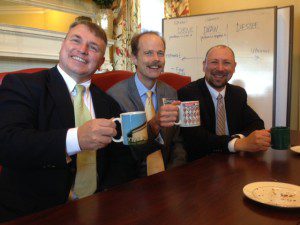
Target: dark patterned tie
[(221, 116)]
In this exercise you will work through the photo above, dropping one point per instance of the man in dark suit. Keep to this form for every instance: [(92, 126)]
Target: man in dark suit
[(243, 130), (39, 143)]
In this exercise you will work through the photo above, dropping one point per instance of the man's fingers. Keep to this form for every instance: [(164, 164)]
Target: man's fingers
[(176, 103), (169, 108), (106, 131), (105, 123)]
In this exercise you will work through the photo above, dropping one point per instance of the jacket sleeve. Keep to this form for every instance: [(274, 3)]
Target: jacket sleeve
[(251, 121), (22, 143)]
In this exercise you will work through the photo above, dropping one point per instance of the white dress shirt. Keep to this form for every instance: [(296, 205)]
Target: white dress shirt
[(72, 144), (143, 92), (214, 94)]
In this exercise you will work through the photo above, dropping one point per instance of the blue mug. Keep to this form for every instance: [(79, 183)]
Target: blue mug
[(133, 127)]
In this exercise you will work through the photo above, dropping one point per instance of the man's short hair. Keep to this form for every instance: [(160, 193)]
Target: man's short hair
[(94, 28), (136, 39), (219, 46), (87, 18)]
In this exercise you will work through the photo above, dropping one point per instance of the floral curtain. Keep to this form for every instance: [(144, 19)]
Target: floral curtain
[(127, 22), (176, 8)]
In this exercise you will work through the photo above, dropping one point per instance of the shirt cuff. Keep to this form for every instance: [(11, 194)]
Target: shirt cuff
[(72, 145), (232, 142)]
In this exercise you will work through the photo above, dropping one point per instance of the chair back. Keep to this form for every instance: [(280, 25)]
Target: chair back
[(32, 70), (175, 80), (106, 80)]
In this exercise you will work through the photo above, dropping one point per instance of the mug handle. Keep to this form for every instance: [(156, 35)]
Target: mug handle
[(121, 138), (179, 122)]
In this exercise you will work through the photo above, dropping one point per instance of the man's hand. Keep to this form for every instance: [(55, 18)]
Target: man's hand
[(258, 140), (167, 114), (96, 133)]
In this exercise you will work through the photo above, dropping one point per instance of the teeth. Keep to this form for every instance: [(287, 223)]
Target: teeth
[(153, 67), (219, 75), (78, 59)]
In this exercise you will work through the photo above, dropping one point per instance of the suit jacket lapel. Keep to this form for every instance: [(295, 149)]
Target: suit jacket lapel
[(160, 93), (61, 97), (134, 94), (229, 106), (210, 109), (99, 103)]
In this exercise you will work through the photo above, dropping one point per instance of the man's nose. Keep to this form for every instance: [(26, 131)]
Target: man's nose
[(83, 49), (155, 57), (221, 67)]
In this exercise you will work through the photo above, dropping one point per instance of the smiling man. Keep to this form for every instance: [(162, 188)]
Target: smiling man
[(148, 56), (228, 123), (56, 131)]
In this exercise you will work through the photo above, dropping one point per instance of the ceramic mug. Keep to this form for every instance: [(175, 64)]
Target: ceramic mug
[(133, 127), (280, 138), (189, 112)]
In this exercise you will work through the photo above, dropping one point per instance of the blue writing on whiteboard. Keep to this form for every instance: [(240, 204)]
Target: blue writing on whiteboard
[(185, 30), (213, 36), (210, 29), (246, 26), (173, 55), (178, 70), (260, 51)]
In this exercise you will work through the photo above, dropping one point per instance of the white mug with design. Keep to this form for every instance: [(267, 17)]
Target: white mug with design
[(189, 112)]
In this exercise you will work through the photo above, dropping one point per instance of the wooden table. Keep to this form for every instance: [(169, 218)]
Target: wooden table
[(207, 191)]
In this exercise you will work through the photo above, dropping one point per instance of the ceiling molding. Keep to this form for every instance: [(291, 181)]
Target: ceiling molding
[(15, 9), (69, 6), (30, 43)]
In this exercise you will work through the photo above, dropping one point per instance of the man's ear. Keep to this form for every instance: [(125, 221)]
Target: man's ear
[(203, 65), (134, 59), (234, 66), (101, 61)]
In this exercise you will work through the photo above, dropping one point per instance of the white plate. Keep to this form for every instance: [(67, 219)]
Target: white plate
[(296, 148), (274, 193)]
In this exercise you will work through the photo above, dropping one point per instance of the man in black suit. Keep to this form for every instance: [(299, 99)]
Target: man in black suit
[(243, 130), (39, 143)]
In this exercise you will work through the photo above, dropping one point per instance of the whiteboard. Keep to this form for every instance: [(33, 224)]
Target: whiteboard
[(252, 36)]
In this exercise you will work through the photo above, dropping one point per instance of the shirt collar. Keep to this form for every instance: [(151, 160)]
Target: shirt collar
[(141, 87), (71, 82), (213, 92)]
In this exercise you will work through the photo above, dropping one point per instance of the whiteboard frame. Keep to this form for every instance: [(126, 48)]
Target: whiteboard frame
[(282, 109)]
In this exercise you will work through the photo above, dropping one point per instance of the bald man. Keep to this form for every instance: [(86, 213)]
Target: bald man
[(241, 129)]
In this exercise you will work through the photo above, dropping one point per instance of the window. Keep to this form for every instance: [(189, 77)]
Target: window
[(152, 13)]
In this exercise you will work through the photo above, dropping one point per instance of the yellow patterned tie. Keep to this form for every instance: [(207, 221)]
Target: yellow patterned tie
[(155, 163), (86, 175)]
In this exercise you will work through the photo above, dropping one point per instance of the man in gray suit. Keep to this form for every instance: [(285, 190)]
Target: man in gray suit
[(148, 55)]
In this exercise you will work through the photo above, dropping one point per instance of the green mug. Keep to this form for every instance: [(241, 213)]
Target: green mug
[(280, 138)]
